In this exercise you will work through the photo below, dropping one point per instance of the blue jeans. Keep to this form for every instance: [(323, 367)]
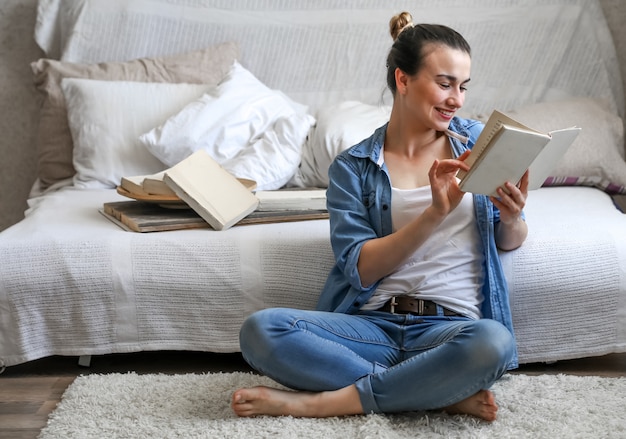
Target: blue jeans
[(398, 362)]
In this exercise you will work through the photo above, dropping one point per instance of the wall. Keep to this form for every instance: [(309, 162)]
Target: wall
[(18, 107), (615, 13), (18, 100)]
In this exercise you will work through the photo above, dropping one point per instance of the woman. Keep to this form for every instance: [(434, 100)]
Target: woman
[(415, 314)]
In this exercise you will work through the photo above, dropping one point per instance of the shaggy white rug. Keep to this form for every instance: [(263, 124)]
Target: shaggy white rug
[(197, 406)]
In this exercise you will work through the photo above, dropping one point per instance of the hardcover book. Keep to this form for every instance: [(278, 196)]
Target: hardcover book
[(151, 187), (210, 190)]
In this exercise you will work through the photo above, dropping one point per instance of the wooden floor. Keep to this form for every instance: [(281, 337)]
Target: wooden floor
[(30, 392)]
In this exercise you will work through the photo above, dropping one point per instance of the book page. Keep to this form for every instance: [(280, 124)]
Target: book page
[(289, 199), (154, 184), (547, 159), (133, 184), (492, 127), (506, 159)]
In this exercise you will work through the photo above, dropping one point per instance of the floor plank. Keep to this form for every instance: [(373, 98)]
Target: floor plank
[(7, 433), (19, 407)]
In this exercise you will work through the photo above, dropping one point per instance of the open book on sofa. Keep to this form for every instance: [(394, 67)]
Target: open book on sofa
[(216, 198)]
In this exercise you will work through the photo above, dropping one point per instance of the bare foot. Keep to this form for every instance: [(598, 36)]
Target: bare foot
[(482, 405), (263, 400), (267, 401)]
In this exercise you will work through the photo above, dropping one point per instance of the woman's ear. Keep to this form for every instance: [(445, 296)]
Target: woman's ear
[(402, 79)]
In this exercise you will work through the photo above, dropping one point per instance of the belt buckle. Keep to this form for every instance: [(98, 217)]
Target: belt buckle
[(421, 306), (392, 305)]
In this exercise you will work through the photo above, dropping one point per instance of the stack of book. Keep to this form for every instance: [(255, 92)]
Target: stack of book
[(199, 193)]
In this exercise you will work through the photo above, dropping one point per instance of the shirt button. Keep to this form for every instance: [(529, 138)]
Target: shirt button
[(385, 207)]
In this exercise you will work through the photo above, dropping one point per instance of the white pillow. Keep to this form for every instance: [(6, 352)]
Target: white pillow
[(339, 126), (273, 159), (106, 119), (596, 158), (251, 130)]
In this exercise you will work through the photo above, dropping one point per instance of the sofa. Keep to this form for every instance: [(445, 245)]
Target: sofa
[(274, 90)]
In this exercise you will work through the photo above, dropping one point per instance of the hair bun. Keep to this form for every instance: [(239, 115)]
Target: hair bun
[(398, 23)]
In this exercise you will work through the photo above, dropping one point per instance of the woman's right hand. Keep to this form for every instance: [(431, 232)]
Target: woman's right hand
[(444, 185)]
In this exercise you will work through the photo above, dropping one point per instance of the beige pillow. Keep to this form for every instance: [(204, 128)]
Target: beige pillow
[(207, 66), (339, 126), (596, 158)]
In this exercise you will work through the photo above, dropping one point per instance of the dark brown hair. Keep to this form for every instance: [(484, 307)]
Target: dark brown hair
[(407, 52)]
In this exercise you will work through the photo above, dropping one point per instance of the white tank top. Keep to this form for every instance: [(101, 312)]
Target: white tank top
[(448, 266)]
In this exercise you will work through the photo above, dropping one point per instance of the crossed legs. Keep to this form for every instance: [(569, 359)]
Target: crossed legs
[(346, 365), (274, 402)]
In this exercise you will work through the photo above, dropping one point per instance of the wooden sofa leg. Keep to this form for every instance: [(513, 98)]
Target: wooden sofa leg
[(84, 361)]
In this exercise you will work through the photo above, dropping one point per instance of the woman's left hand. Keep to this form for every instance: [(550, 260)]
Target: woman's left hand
[(512, 203), (512, 230)]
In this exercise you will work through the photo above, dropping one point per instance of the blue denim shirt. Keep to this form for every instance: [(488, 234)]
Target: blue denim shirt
[(359, 205)]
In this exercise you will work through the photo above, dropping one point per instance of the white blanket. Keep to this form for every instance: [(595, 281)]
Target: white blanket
[(568, 280), (74, 283)]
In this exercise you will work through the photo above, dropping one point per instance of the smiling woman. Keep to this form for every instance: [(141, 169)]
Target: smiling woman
[(402, 311), (97, 290), (424, 104)]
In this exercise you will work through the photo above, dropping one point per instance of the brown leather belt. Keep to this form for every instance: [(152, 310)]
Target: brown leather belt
[(418, 307)]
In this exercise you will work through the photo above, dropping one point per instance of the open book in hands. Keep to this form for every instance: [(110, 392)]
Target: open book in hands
[(506, 149)]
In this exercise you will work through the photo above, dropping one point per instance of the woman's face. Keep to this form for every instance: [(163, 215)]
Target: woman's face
[(437, 91)]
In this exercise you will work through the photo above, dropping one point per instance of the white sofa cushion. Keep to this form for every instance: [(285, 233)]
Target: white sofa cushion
[(252, 131), (338, 127), (106, 119)]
